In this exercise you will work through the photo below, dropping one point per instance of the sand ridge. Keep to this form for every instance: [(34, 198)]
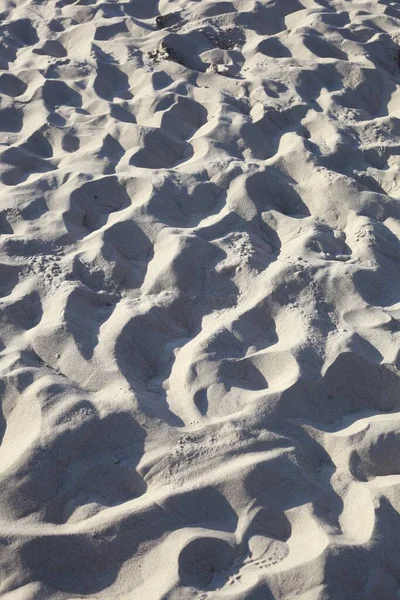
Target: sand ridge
[(200, 300)]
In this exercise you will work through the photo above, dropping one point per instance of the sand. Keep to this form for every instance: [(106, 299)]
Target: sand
[(200, 300)]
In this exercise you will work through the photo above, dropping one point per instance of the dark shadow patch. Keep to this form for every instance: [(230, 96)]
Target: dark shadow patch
[(184, 117), (58, 93), (122, 114), (9, 278), (38, 143), (212, 509), (263, 136), (10, 85), (161, 80), (22, 164), (321, 48), (92, 203), (23, 314), (70, 143), (269, 189), (186, 48), (22, 32), (264, 20), (112, 151), (126, 244), (110, 81), (241, 373), (85, 312), (141, 9), (182, 208), (218, 8), (52, 48), (88, 563), (5, 226), (11, 119), (160, 150), (3, 422), (351, 384), (55, 26), (201, 558), (106, 451), (270, 522), (34, 210), (273, 47), (106, 32)]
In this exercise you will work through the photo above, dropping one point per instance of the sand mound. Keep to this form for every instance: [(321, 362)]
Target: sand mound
[(200, 300)]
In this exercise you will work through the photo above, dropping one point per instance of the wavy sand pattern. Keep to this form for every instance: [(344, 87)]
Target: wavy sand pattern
[(200, 299)]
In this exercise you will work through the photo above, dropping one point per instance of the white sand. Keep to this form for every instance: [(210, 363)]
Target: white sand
[(200, 300)]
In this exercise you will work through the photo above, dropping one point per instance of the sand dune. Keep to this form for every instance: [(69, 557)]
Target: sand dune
[(200, 299)]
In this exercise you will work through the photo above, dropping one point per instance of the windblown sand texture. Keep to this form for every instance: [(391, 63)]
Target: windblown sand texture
[(200, 300)]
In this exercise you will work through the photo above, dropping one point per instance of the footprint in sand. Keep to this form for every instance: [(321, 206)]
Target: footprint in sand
[(265, 552)]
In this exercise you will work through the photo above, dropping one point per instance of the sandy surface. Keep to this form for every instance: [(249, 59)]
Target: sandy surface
[(200, 300)]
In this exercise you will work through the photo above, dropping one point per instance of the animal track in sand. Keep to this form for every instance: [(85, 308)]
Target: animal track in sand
[(48, 270), (265, 553)]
